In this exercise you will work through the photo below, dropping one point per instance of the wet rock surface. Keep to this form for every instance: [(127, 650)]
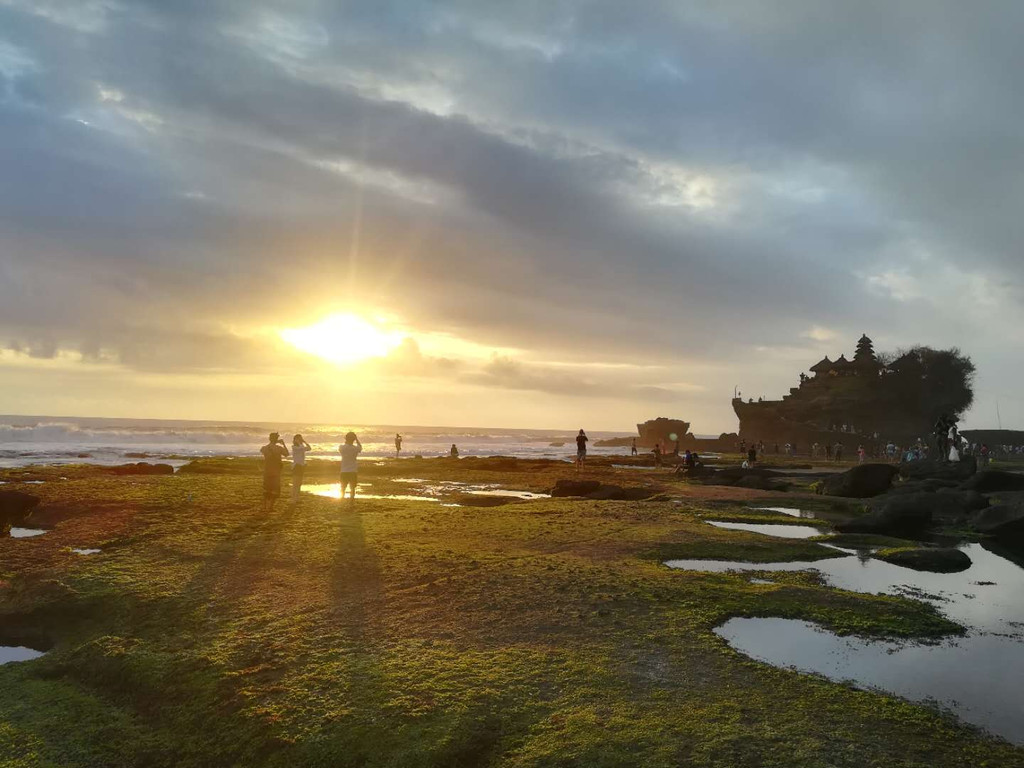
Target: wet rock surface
[(141, 468), (934, 559), (924, 469), (15, 507), (861, 482), (994, 481), (1004, 521)]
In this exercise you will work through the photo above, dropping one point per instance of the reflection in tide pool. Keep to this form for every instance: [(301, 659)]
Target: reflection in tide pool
[(791, 511), (26, 533), (996, 607), (526, 495), (9, 653), (333, 491), (779, 531), (976, 677)]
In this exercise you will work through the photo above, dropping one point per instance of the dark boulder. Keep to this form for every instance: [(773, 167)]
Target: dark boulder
[(1004, 521), (141, 468), (606, 493), (968, 501), (473, 500), (994, 481), (15, 506), (924, 469), (738, 473), (759, 483), (567, 487), (935, 559), (930, 485), (900, 513), (860, 482)]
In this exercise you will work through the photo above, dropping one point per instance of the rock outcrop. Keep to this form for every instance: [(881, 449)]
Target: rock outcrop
[(934, 559), (994, 481), (928, 469), (15, 507), (861, 482), (1004, 520), (141, 468)]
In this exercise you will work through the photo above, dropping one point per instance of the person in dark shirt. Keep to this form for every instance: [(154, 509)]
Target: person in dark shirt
[(273, 452), (581, 449), (752, 456)]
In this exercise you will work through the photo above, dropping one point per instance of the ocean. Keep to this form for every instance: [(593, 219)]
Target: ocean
[(28, 440)]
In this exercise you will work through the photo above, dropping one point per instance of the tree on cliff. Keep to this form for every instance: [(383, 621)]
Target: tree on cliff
[(926, 383)]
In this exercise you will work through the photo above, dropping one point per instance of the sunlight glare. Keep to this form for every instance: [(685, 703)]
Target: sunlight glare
[(343, 339)]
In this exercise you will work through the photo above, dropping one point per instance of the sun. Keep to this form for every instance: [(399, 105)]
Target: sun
[(343, 339)]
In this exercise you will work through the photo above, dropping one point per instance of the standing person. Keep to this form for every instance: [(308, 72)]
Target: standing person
[(349, 466), (398, 444), (657, 454), (299, 449), (861, 454), (632, 451), (454, 452), (752, 455), (273, 452), (581, 449), (838, 452), (828, 451)]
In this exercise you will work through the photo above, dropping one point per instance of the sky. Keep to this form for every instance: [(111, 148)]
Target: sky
[(531, 214)]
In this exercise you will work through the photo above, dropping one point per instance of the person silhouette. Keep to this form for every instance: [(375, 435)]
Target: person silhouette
[(299, 449), (273, 452), (398, 444), (349, 464), (581, 449)]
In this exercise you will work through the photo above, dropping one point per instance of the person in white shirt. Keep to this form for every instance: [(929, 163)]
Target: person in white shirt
[(299, 449), (349, 466)]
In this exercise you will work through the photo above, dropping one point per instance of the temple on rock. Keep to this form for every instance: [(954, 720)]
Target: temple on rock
[(840, 398)]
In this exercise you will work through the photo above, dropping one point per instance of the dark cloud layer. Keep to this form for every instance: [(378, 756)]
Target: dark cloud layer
[(693, 186)]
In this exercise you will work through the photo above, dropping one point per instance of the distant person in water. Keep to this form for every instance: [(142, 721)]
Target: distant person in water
[(454, 452), (398, 444), (581, 449), (632, 451), (299, 449), (349, 466), (273, 452)]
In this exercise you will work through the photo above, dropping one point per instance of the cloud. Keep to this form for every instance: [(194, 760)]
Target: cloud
[(672, 186)]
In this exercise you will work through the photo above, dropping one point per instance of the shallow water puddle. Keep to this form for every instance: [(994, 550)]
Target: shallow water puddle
[(996, 608), (791, 511), (968, 675), (526, 495), (26, 533), (86, 551), (333, 491), (779, 531), (9, 653)]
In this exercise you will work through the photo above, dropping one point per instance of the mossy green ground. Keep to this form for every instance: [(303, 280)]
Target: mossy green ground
[(389, 633)]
